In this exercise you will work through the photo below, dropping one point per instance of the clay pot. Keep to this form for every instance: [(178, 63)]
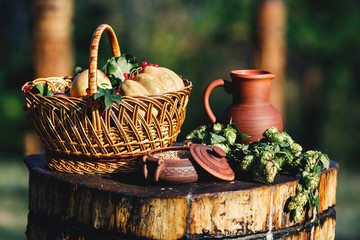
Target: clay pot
[(250, 110), (176, 165)]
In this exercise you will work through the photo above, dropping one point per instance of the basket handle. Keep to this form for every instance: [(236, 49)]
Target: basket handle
[(94, 47)]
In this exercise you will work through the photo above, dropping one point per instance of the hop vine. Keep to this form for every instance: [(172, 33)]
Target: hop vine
[(277, 153)]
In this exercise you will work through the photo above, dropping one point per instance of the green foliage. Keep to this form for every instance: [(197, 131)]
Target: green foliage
[(115, 68), (266, 158), (226, 137), (43, 89), (107, 96)]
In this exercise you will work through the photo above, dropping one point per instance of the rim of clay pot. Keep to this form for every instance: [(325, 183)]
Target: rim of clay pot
[(252, 74), (152, 153)]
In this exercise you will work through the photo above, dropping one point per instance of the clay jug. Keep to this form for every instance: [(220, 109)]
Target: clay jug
[(250, 110)]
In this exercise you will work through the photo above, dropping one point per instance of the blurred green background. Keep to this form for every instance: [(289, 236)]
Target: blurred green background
[(203, 41)]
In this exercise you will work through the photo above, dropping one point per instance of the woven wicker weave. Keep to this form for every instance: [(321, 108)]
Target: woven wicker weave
[(80, 137)]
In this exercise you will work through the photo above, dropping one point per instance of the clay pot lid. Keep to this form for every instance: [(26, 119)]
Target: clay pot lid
[(213, 161)]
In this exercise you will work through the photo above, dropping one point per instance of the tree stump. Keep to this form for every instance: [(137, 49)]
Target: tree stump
[(123, 206)]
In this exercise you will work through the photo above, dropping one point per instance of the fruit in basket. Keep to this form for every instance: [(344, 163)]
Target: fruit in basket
[(81, 83), (60, 95), (133, 88), (151, 83), (151, 80), (178, 81), (166, 80)]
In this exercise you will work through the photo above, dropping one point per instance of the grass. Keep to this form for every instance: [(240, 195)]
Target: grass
[(13, 199), (348, 205), (14, 202)]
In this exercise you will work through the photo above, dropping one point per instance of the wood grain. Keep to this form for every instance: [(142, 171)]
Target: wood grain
[(123, 206)]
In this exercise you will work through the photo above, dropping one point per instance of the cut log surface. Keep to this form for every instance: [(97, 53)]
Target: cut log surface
[(122, 206)]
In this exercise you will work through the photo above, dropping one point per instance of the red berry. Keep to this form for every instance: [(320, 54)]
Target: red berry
[(156, 65), (140, 69), (132, 76), (144, 64), (27, 88), (151, 64), (87, 92), (126, 76), (116, 93)]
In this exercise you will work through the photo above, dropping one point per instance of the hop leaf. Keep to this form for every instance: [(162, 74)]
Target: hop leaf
[(287, 138), (299, 200), (324, 159), (230, 135), (311, 180), (267, 156), (271, 170), (296, 213), (216, 139), (223, 147), (247, 162), (271, 131), (296, 149), (217, 128)]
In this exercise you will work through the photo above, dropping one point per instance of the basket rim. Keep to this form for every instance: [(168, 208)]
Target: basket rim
[(188, 86)]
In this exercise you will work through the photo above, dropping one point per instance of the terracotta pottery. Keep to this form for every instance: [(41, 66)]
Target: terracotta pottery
[(176, 165), (250, 110)]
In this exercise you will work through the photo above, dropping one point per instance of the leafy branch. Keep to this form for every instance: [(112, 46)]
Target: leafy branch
[(108, 96), (115, 68), (264, 159)]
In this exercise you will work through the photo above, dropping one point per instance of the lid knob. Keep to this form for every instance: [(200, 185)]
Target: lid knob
[(212, 160), (219, 152)]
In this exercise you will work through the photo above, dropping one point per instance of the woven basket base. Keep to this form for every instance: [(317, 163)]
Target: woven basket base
[(93, 167)]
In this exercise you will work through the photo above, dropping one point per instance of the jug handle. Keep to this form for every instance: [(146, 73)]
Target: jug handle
[(216, 83)]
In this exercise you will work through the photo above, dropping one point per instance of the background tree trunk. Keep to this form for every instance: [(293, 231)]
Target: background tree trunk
[(270, 47), (52, 39), (52, 47)]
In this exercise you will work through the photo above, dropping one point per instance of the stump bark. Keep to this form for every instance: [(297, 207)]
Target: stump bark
[(72, 206)]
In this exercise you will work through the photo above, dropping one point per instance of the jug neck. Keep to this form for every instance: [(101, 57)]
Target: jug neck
[(251, 86)]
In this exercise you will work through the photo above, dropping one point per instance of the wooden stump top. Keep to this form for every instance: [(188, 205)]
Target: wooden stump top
[(124, 206)]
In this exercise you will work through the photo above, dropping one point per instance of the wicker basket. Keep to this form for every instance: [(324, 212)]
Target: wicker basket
[(79, 137)]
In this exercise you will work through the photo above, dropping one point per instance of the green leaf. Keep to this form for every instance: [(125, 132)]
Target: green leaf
[(324, 159), (268, 148), (201, 133), (216, 139), (310, 212), (317, 202), (284, 144), (277, 148), (109, 97), (317, 170), (78, 70), (241, 137), (115, 68), (43, 89)]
